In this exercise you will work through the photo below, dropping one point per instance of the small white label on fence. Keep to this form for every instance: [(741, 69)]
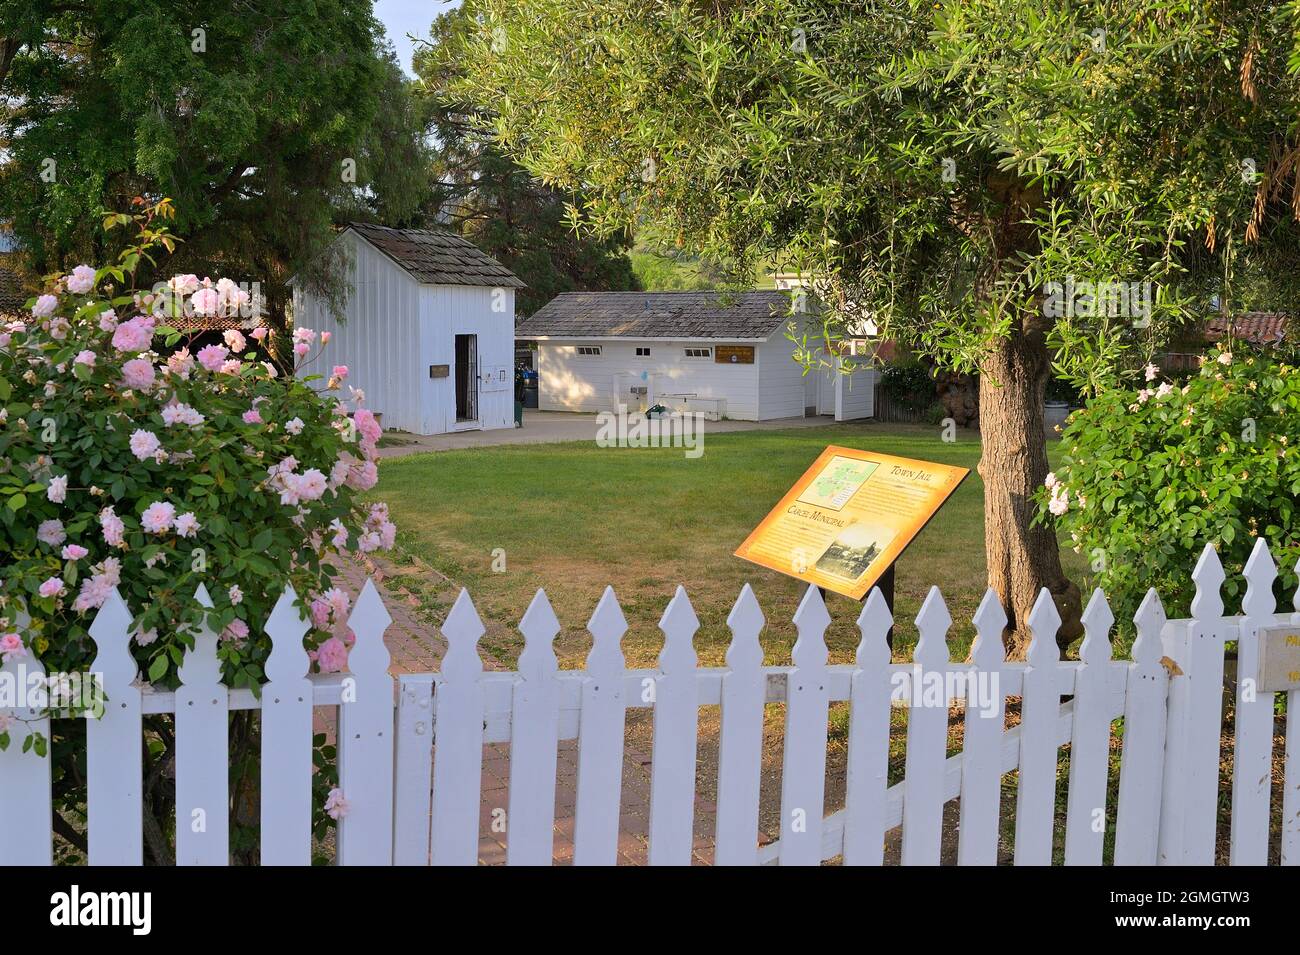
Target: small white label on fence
[(1279, 659)]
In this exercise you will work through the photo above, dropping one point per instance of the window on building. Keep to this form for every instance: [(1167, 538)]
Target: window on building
[(642, 352), (699, 353), (589, 350)]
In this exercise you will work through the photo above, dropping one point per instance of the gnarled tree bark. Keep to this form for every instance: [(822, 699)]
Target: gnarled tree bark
[(1022, 559)]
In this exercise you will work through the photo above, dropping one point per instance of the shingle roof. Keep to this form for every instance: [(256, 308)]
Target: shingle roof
[(1258, 328), (437, 258), (721, 315)]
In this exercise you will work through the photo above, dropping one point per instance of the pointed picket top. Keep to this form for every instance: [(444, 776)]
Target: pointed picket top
[(746, 621), (1260, 573), (873, 623), (1150, 620), (1044, 622), (607, 626), (1208, 577), (200, 666), (286, 627), (988, 651), (678, 624), (462, 628), (368, 621), (1097, 621), (111, 631), (932, 622), (811, 620), (539, 627)]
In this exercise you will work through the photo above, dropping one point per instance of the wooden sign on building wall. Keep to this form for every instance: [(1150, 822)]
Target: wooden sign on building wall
[(733, 355)]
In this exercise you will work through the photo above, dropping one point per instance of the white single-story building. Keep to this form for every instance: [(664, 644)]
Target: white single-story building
[(428, 331), (726, 354)]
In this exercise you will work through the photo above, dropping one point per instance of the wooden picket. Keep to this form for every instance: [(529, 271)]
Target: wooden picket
[(1252, 769), (286, 739), (535, 722), (981, 777), (114, 755), (1085, 821), (1137, 818), (927, 735), (410, 771), (740, 746), (803, 777), (676, 696), (603, 721), (202, 753), (868, 762), (26, 807), (458, 740), (1039, 747)]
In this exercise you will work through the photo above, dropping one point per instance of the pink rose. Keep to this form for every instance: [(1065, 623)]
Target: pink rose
[(158, 518), (11, 647), (51, 532), (45, 306), (74, 552), (82, 280), (85, 357), (133, 336), (236, 631), (235, 340), (213, 356), (259, 333), (205, 302), (144, 444), (51, 588), (332, 656), (138, 374), (187, 525)]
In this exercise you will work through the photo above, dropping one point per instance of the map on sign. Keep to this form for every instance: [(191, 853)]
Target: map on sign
[(849, 517)]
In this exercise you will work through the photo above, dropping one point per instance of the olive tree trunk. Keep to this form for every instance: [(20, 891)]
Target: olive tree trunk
[(1022, 559)]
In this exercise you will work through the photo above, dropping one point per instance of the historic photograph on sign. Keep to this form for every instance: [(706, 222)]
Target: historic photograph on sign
[(853, 550)]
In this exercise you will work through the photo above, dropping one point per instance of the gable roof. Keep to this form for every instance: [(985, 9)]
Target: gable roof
[(437, 258), (1257, 328), (718, 315)]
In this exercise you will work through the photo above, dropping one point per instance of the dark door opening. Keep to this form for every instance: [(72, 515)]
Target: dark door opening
[(466, 377)]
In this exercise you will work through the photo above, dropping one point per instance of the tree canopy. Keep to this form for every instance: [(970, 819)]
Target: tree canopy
[(1010, 186), (266, 124)]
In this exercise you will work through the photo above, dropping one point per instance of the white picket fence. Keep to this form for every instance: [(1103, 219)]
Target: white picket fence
[(412, 771)]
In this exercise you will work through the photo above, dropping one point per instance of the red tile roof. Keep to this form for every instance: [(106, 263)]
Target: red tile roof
[(1257, 328)]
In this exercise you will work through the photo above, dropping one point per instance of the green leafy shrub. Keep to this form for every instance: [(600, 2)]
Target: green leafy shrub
[(1151, 476)]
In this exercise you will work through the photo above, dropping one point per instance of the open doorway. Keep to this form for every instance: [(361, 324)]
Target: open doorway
[(466, 378)]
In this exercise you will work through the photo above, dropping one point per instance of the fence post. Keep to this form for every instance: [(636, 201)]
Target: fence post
[(1141, 770), (981, 769), (740, 745), (115, 745), (413, 772), (600, 739), (366, 731), (458, 740), (927, 735), (1252, 769), (676, 730), (286, 739), (803, 773), (534, 731), (202, 753)]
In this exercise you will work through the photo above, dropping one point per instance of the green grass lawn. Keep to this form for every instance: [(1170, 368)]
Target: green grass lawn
[(575, 517)]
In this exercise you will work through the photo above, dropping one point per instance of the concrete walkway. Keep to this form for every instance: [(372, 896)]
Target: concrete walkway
[(548, 427)]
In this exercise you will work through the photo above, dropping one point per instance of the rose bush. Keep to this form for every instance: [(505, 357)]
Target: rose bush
[(129, 461), (1151, 476)]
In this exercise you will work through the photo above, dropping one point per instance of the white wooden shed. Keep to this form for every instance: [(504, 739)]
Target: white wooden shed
[(726, 354), (427, 332)]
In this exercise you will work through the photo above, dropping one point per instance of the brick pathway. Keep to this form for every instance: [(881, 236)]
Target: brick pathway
[(417, 647)]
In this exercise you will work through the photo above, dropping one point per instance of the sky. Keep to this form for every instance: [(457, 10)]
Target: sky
[(401, 17)]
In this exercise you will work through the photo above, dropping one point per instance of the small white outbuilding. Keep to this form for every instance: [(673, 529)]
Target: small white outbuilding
[(427, 331), (726, 354)]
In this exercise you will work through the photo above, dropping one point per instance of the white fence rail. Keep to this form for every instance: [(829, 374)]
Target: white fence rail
[(412, 772)]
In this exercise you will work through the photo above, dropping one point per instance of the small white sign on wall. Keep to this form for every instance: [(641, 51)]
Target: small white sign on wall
[(495, 378), (1279, 658)]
